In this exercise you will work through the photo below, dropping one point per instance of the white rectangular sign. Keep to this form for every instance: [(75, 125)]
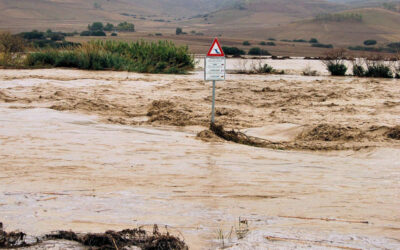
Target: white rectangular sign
[(214, 68)]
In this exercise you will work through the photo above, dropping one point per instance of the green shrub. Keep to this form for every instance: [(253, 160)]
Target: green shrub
[(11, 43), (126, 27), (158, 34), (233, 51), (246, 43), (34, 34), (56, 36), (85, 33), (141, 56), (109, 27), (263, 43), (394, 45), (266, 69), (271, 44), (337, 69), (256, 51), (320, 45), (178, 31), (96, 26), (370, 42), (358, 70), (299, 41), (313, 40), (271, 39), (93, 33), (114, 34), (379, 70)]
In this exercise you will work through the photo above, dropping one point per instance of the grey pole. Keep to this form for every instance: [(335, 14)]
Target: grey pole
[(213, 105)]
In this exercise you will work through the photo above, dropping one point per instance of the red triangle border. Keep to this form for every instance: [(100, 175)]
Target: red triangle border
[(219, 46)]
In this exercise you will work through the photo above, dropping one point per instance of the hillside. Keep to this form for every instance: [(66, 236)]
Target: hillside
[(378, 24), (250, 17), (71, 15), (236, 19)]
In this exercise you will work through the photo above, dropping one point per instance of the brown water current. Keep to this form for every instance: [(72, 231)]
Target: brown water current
[(74, 169)]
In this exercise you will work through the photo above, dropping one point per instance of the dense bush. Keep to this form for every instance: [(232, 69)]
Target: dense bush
[(379, 70), (161, 57), (11, 43), (127, 27), (335, 61), (263, 43), (320, 45), (358, 70), (96, 26), (114, 34), (256, 51), (271, 44), (34, 34), (313, 40), (109, 27), (394, 45), (246, 43), (272, 39), (376, 66), (56, 36), (337, 69), (299, 41), (233, 51), (370, 42), (178, 31), (93, 33), (266, 69)]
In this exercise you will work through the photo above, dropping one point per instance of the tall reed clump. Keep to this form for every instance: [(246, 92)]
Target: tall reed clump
[(141, 56)]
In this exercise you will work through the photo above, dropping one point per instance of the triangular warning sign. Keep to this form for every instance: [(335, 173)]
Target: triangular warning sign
[(216, 49)]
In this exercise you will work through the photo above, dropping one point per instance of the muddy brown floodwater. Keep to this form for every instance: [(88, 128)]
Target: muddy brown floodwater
[(93, 151)]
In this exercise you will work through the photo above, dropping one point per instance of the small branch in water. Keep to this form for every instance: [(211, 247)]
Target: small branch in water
[(326, 219), (297, 241)]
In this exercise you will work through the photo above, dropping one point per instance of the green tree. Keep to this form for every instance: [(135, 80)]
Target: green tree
[(370, 42), (96, 26), (109, 27), (125, 26), (178, 31)]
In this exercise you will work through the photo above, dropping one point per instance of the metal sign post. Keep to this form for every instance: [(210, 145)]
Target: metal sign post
[(214, 70), (213, 104)]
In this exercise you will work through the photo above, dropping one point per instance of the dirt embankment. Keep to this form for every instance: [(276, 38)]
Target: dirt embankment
[(335, 113)]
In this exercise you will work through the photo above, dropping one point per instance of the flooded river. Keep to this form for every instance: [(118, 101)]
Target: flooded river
[(61, 170)]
